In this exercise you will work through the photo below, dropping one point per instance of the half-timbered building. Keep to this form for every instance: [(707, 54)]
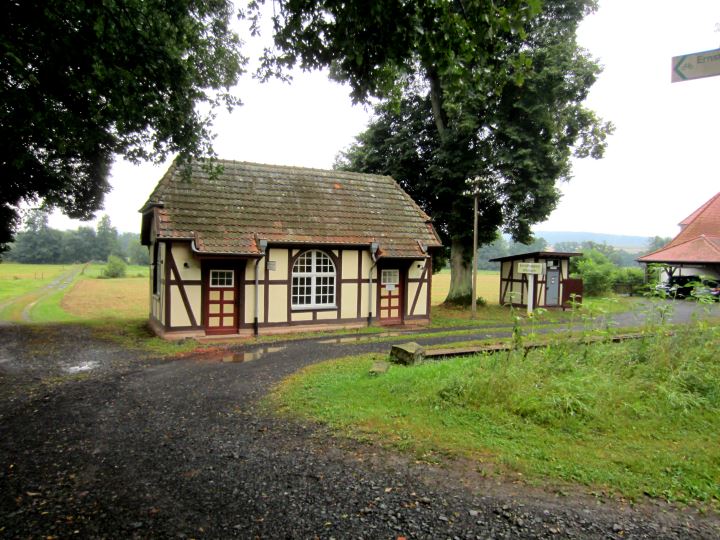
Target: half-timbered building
[(261, 248)]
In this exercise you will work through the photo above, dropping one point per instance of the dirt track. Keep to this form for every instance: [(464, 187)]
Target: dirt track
[(155, 448)]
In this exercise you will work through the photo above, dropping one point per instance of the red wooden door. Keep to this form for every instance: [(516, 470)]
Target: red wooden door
[(221, 308), (390, 310)]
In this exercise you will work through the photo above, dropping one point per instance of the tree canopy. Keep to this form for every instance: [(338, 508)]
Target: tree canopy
[(37, 242), (83, 81), (496, 96)]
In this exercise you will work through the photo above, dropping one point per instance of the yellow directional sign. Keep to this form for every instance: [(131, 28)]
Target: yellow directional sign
[(696, 65)]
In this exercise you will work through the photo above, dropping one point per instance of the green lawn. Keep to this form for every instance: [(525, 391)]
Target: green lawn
[(635, 418), (19, 279)]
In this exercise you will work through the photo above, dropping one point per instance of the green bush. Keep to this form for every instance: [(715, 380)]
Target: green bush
[(597, 272), (115, 267), (629, 281)]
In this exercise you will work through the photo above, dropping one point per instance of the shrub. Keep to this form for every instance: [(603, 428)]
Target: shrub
[(597, 273), (629, 281), (115, 267)]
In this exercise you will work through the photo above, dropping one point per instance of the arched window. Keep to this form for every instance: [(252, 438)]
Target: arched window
[(313, 281)]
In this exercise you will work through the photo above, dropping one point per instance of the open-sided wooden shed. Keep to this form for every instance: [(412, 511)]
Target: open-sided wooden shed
[(552, 288)]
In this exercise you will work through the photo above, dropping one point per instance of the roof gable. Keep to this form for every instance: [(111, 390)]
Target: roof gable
[(246, 202), (697, 242), (705, 220)]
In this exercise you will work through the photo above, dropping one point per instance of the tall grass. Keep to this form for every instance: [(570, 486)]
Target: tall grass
[(641, 417)]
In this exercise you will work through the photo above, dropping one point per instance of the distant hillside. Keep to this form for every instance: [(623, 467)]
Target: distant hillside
[(630, 243)]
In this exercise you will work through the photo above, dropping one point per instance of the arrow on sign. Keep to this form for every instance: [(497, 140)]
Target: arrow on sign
[(696, 65)]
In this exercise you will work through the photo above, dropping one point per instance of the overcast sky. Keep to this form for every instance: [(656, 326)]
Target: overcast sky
[(660, 165)]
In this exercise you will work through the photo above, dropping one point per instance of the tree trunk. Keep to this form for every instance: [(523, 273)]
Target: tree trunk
[(460, 271), (436, 100)]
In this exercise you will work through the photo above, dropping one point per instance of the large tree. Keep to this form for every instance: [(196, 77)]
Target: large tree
[(468, 89), (84, 80)]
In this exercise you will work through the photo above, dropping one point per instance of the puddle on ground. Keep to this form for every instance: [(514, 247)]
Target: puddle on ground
[(84, 366), (248, 356), (355, 339)]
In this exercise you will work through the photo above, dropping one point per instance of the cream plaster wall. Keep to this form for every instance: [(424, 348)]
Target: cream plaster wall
[(349, 265), (178, 315), (250, 270), (302, 316), (280, 256), (349, 300), (414, 272), (421, 306), (327, 315), (158, 300), (364, 299), (182, 254), (194, 293), (250, 303), (277, 304)]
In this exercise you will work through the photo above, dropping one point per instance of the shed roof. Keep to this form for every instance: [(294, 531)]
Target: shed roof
[(697, 242), (230, 212), (538, 255)]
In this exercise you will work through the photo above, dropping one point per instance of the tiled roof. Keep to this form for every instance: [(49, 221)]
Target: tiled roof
[(538, 255), (701, 249), (248, 201), (697, 242)]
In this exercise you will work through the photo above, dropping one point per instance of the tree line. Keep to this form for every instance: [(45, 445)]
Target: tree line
[(38, 243)]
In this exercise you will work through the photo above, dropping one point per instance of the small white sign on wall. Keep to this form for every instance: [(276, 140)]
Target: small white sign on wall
[(390, 286), (271, 265)]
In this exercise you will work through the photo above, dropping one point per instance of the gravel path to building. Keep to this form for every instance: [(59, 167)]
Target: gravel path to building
[(133, 447)]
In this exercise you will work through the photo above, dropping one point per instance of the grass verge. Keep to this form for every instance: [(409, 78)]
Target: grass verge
[(637, 418)]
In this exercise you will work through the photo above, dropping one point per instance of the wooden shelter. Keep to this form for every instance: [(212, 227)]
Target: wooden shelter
[(269, 248), (552, 288)]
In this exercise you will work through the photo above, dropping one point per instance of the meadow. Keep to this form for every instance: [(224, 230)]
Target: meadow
[(19, 279), (634, 419)]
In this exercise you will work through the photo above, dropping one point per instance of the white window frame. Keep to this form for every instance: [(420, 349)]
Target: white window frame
[(316, 277), (214, 273), (390, 276)]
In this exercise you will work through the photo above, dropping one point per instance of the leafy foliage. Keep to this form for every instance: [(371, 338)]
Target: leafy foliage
[(601, 275), (656, 242), (491, 91), (115, 267), (83, 81), (37, 243), (502, 248)]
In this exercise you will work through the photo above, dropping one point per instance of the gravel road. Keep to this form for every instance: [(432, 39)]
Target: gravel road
[(96, 441)]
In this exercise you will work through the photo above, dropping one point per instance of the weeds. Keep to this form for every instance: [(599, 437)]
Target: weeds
[(638, 417)]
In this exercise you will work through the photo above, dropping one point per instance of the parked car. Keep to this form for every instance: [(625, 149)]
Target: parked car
[(679, 286), (708, 288), (684, 286)]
